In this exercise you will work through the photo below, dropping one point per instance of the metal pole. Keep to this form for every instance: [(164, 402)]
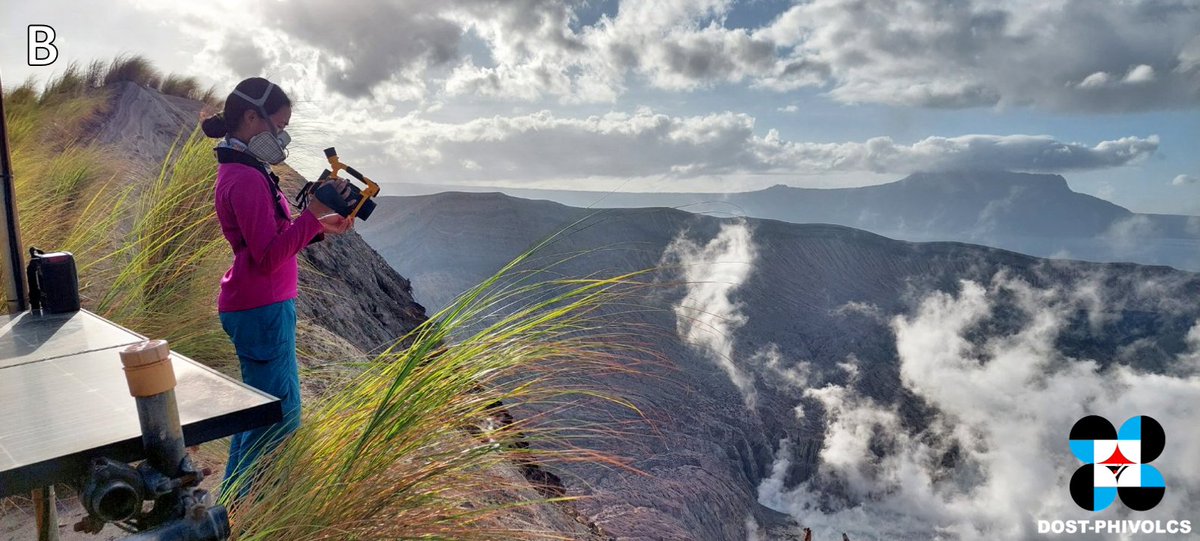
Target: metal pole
[(162, 436), (152, 383), (14, 291), (10, 231)]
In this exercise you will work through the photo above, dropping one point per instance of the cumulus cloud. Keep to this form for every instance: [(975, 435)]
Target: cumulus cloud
[(365, 43), (1091, 56), (1141, 73), (1137, 75), (994, 459), (243, 57), (1185, 180), (707, 315), (1096, 80), (544, 146)]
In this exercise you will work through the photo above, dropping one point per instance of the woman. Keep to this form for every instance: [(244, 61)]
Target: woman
[(257, 302)]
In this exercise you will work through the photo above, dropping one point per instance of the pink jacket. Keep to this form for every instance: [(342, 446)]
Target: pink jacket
[(264, 243)]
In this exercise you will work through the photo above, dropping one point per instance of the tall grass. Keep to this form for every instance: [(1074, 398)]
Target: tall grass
[(133, 68), (25, 93), (149, 251), (412, 448), (68, 195), (138, 70), (417, 445), (170, 263), (186, 87)]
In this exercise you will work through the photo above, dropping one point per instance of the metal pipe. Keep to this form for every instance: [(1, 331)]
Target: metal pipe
[(162, 436), (151, 381), (14, 292), (206, 525), (10, 235), (185, 515)]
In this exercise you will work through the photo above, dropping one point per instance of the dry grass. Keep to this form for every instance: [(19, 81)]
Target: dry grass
[(133, 68), (169, 265), (147, 258), (415, 446)]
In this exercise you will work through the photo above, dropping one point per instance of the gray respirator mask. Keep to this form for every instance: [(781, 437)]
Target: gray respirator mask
[(269, 146)]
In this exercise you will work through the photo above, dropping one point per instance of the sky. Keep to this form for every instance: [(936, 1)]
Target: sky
[(690, 95)]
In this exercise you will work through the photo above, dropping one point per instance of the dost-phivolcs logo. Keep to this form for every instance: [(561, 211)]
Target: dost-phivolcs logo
[(1116, 463)]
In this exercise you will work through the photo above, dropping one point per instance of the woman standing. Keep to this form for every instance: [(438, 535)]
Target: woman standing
[(257, 302)]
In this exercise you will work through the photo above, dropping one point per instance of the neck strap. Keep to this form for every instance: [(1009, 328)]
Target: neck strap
[(230, 155)]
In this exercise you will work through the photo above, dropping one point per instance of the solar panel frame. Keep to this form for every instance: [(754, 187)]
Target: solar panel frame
[(50, 392)]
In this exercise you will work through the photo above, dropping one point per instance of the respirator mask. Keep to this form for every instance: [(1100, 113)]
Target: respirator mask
[(269, 146)]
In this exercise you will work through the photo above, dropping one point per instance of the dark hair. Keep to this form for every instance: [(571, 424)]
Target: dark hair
[(226, 122)]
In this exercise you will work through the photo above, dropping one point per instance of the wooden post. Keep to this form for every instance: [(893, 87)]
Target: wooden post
[(47, 514), (10, 231)]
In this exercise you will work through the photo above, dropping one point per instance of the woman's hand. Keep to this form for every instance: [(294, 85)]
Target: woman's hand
[(337, 224), (332, 222)]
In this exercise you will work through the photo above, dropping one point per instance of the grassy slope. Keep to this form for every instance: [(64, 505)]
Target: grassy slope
[(410, 448)]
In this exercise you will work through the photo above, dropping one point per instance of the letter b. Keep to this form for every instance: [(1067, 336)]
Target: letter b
[(42, 51)]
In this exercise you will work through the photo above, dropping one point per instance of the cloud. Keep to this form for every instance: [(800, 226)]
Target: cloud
[(1184, 180), (1141, 73), (543, 146), (1069, 55), (243, 57), (1096, 80), (1076, 56), (707, 315), (994, 459), (365, 43), (682, 45)]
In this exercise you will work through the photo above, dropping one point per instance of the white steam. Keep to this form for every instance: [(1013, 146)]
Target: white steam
[(1007, 405), (707, 316), (771, 359)]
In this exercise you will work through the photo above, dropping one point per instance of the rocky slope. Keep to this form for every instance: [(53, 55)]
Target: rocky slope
[(816, 307)]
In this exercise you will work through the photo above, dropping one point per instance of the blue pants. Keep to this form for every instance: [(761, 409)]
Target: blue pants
[(265, 341)]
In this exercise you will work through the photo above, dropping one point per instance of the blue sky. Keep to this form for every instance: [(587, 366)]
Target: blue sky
[(693, 95)]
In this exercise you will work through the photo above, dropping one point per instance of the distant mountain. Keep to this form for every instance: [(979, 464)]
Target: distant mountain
[(817, 306), (1034, 214)]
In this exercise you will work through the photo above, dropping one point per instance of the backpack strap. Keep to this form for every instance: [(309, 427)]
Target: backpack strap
[(31, 275)]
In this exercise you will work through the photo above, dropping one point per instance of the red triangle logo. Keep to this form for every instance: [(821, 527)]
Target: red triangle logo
[(1117, 458)]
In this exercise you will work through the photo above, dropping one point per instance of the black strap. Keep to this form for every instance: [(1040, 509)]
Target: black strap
[(230, 155), (31, 274)]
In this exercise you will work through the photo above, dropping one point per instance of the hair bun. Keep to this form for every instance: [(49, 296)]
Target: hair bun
[(214, 126)]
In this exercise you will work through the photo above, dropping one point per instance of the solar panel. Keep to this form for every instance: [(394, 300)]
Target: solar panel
[(28, 337), (64, 400)]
